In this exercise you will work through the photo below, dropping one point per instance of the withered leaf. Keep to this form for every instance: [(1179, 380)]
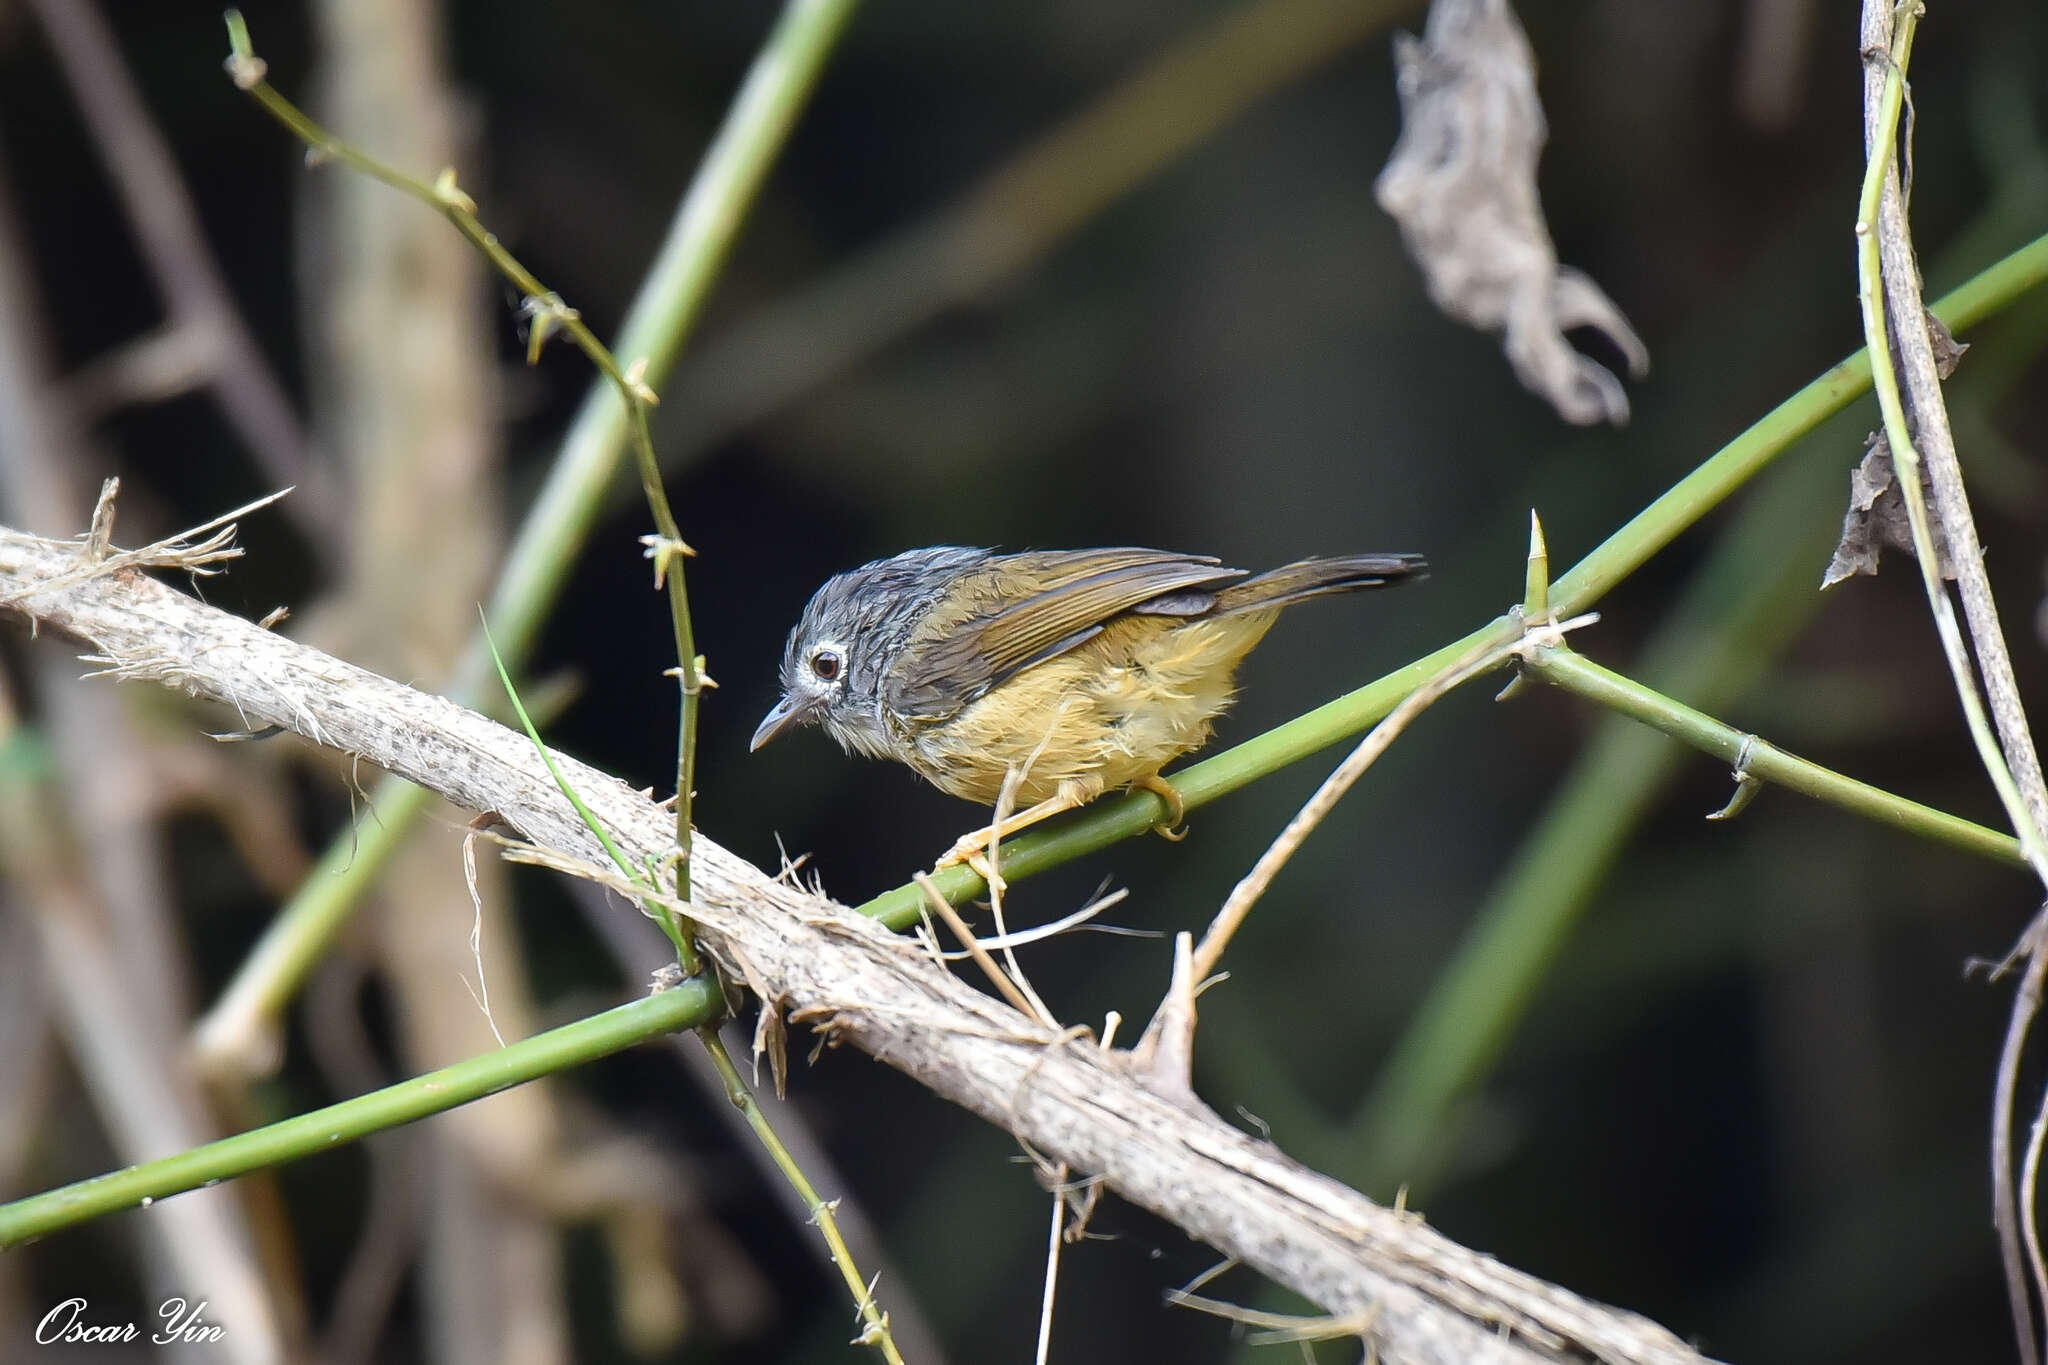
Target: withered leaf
[(1462, 185), (1876, 520)]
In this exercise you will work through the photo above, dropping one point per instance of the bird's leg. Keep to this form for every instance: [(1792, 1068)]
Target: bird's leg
[(972, 848), (1176, 809)]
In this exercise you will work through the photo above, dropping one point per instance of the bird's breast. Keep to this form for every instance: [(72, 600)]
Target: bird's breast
[(1113, 710)]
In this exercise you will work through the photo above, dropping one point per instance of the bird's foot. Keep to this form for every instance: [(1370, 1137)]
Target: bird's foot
[(1172, 827), (973, 850)]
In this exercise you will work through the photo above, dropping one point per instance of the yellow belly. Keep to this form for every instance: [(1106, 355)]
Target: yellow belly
[(1103, 715)]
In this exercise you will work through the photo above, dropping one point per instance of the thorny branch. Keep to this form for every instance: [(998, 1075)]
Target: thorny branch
[(1427, 1299)]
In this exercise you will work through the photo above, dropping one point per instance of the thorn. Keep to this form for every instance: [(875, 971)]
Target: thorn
[(100, 538), (450, 194), (1747, 785), (1110, 1023), (1165, 1056), (1536, 589), (636, 382), (543, 327), (661, 549)]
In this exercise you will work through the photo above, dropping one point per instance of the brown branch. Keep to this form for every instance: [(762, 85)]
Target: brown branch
[(1431, 1300), (1919, 384), (1906, 317)]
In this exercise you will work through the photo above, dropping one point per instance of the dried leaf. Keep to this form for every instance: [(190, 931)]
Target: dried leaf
[(1877, 519), (1948, 352), (1462, 185)]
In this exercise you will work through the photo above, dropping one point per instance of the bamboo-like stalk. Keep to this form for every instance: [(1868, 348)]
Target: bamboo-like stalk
[(232, 1034), (1107, 821), (1756, 759)]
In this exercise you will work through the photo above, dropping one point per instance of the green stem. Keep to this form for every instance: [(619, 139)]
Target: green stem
[(1653, 528), (736, 1090), (1741, 608), (547, 312), (663, 315), (586, 1040), (670, 300), (1760, 759)]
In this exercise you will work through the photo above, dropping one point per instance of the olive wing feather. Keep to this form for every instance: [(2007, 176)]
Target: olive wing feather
[(1023, 609)]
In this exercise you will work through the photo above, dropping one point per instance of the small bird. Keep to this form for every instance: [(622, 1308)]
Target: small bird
[(1066, 672)]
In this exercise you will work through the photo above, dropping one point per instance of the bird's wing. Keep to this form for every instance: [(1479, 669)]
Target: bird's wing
[(1023, 609)]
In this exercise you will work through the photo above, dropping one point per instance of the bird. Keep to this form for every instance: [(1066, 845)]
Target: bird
[(1062, 674)]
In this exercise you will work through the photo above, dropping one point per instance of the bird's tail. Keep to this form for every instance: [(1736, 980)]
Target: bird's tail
[(1291, 583)]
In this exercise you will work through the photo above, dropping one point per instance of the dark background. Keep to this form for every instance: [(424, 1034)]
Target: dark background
[(1751, 1098)]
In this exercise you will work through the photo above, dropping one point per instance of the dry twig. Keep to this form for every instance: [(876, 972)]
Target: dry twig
[(1907, 375)]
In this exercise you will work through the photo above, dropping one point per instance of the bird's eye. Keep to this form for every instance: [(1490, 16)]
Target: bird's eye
[(827, 664)]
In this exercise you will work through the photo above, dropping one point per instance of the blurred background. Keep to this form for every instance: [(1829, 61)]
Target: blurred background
[(1029, 274)]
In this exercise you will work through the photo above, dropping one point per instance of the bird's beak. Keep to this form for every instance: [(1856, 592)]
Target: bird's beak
[(787, 714)]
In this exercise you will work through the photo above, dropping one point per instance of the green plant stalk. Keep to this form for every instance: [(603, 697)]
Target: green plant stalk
[(1743, 607), (1464, 1023), (660, 320), (662, 317), (1110, 820), (742, 1098), (586, 1040), (672, 923), (1740, 609), (668, 552), (547, 312), (1905, 456), (1762, 760)]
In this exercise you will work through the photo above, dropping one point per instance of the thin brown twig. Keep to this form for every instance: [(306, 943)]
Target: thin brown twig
[(1005, 801), (2005, 1207), (1052, 1265), (1280, 1327), (2030, 1171), (1038, 933), (945, 911), (1290, 839)]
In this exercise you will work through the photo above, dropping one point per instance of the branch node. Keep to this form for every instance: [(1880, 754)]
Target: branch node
[(449, 195)]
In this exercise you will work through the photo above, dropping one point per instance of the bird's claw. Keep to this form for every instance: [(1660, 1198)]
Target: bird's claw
[(1174, 827), (972, 850)]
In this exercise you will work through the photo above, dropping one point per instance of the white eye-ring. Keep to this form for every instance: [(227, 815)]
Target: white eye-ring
[(828, 663)]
